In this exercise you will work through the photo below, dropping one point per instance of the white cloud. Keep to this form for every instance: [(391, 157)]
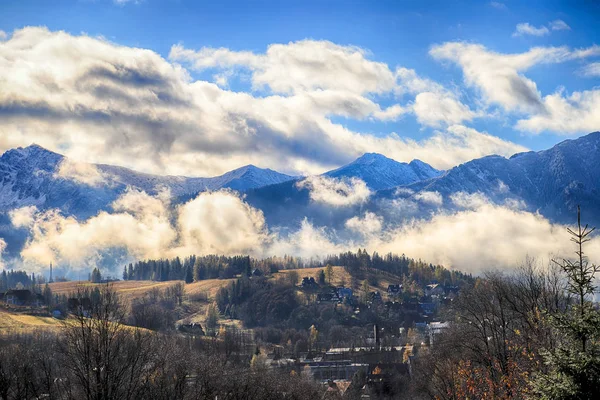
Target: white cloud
[(498, 5), (140, 224), (433, 109), (591, 69), (483, 238), (80, 172), (145, 227), (434, 105), (480, 237), (104, 103), (559, 25), (366, 225), (499, 76), (97, 101), (335, 192), (2, 249), (469, 200), (502, 187), (575, 113), (23, 217), (299, 66), (431, 198), (220, 223), (3, 35), (528, 29), (308, 241)]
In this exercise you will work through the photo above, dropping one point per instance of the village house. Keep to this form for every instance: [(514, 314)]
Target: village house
[(394, 290), (434, 289), (23, 297), (308, 282)]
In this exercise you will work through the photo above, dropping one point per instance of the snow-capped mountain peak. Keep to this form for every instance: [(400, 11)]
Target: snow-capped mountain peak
[(380, 172)]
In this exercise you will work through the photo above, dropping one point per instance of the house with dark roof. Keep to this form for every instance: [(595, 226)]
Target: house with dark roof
[(23, 297), (257, 272), (308, 282), (394, 290)]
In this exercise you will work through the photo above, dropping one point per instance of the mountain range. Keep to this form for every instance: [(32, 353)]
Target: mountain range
[(32, 176), (552, 182)]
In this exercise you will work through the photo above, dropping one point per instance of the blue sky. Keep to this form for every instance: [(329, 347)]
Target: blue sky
[(399, 34)]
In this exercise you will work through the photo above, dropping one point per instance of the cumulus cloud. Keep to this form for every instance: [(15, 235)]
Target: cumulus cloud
[(23, 217), (565, 114), (471, 201), (335, 192), (140, 225), (528, 29), (308, 241), (221, 223), (431, 198), (433, 109), (366, 225), (434, 105), (481, 235), (299, 66), (486, 237), (97, 101), (80, 172), (145, 226), (499, 76), (3, 35)]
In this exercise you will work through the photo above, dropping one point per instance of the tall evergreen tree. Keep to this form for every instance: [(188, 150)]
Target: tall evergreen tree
[(574, 365)]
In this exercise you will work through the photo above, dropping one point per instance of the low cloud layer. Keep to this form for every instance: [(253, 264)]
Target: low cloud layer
[(336, 192), (2, 249), (81, 172), (479, 236)]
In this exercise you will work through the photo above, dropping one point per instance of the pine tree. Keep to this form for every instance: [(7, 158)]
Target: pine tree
[(574, 365), (189, 274), (321, 277), (96, 276), (47, 293), (125, 274), (329, 273)]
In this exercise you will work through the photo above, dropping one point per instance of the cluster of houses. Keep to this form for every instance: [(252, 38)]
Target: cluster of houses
[(22, 297), (336, 367), (335, 295), (29, 299)]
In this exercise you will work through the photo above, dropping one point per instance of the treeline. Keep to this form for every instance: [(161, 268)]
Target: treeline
[(196, 268), (193, 268), (419, 271), (10, 280)]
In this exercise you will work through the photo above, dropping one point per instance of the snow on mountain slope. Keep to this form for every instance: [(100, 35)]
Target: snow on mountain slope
[(380, 172), (29, 176), (551, 181)]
